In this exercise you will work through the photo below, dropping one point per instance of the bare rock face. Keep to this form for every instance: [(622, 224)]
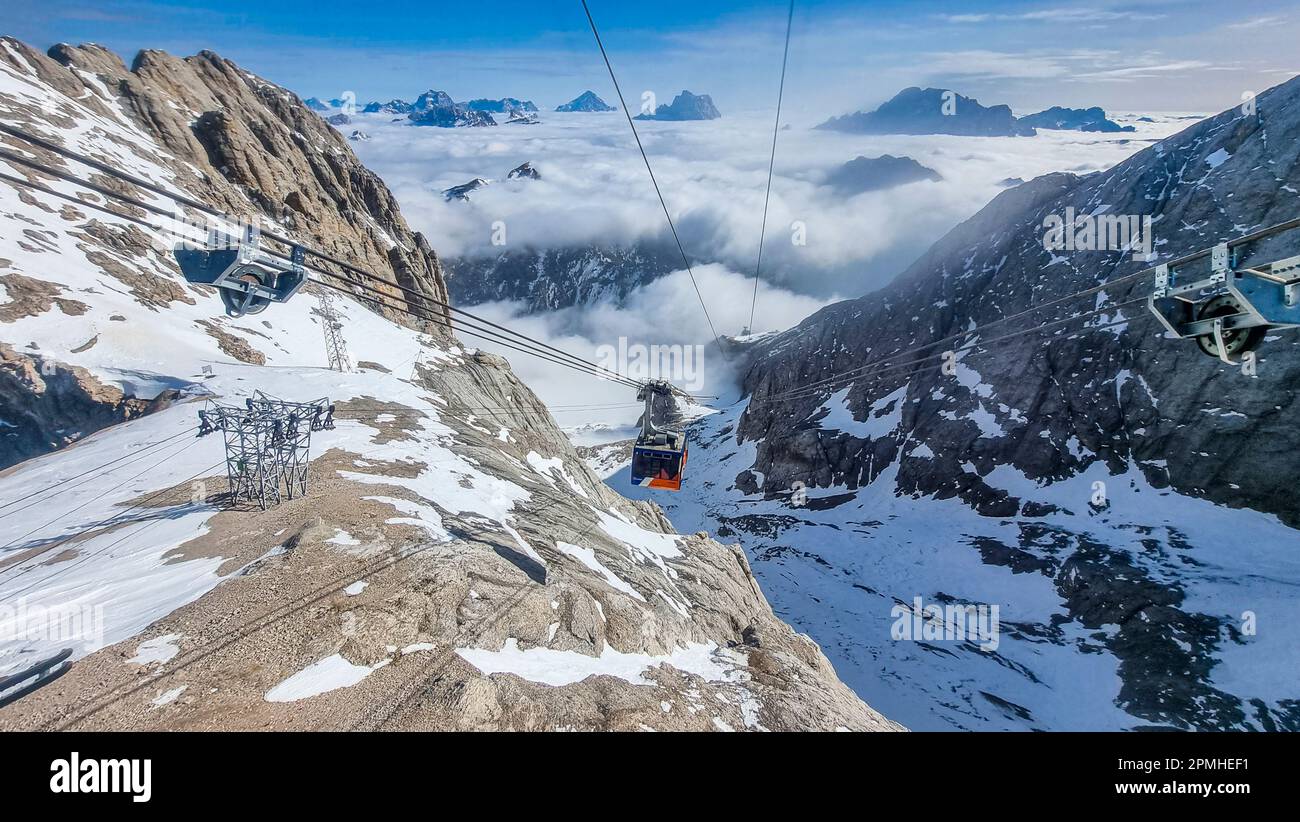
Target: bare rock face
[(47, 405), (229, 139)]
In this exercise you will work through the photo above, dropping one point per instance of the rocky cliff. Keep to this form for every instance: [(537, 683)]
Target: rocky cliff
[(548, 279), (1214, 181), (225, 137), (235, 141)]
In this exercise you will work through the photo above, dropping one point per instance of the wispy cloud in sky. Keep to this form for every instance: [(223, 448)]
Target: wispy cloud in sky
[(844, 54), (1057, 15)]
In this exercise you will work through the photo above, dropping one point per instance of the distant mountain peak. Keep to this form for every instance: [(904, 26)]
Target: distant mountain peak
[(1074, 119), (863, 174), (436, 108), (932, 111), (586, 102), (462, 191), (391, 107), (685, 106), (503, 106), (524, 171)]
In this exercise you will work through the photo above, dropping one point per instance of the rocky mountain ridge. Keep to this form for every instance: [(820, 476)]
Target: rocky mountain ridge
[(1075, 119), (932, 111), (550, 279), (944, 111), (436, 108), (505, 105)]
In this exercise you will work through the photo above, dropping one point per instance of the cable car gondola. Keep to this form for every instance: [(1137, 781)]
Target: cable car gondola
[(247, 279), (659, 455)]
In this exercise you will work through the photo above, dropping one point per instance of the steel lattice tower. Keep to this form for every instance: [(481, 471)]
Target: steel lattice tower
[(268, 445), (336, 348)]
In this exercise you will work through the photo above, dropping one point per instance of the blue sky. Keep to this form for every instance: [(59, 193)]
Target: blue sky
[(1152, 55)]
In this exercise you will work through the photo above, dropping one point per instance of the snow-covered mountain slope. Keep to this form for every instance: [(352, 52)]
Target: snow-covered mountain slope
[(1121, 497), (1126, 618), (454, 565), (201, 126)]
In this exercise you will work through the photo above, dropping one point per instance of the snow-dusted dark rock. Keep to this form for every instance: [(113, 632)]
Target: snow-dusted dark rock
[(462, 191), (502, 106), (587, 102), (685, 106), (932, 111), (864, 174), (524, 171)]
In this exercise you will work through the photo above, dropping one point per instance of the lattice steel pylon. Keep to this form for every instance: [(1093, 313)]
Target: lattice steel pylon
[(319, 412), (252, 459), (336, 348), (268, 446)]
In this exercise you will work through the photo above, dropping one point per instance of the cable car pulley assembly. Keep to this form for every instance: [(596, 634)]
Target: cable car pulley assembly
[(247, 279), (1229, 311)]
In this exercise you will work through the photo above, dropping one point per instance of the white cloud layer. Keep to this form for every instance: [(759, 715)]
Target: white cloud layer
[(667, 312), (594, 188)]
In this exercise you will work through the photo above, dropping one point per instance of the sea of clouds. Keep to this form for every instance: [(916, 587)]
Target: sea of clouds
[(594, 189)]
